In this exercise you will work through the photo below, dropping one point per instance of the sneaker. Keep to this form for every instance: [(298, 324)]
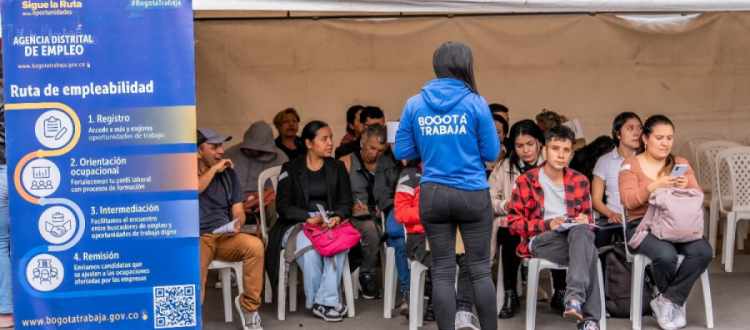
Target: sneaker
[(463, 320), (404, 309), (557, 302), (663, 311), (232, 278), (367, 286), (573, 310), (588, 325), (249, 321), (342, 310), (678, 316), (328, 314)]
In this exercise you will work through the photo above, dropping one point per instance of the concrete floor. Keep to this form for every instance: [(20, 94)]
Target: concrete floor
[(731, 300)]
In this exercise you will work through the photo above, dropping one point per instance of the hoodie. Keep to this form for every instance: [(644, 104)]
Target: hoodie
[(452, 130), (258, 137)]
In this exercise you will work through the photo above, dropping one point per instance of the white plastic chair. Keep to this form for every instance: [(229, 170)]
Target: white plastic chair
[(416, 299), (639, 272), (282, 285), (738, 162), (225, 268), (689, 142), (535, 266), (273, 175), (389, 276), (708, 179)]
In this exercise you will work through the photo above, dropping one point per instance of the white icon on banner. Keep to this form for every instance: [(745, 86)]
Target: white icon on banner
[(44, 272), (41, 177), (57, 225), (54, 129)]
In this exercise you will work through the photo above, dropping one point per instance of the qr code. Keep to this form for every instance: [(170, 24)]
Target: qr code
[(174, 306)]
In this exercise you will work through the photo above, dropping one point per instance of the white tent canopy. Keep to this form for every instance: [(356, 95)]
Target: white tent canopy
[(477, 6)]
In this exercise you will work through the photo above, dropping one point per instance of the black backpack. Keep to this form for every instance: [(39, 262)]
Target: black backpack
[(617, 281)]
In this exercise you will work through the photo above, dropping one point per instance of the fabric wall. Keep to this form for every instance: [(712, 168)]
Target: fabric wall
[(513, 6), (696, 70)]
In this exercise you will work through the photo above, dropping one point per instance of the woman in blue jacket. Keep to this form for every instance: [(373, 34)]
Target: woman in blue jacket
[(450, 127)]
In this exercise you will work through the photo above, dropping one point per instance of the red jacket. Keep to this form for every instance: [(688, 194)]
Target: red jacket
[(406, 201), (526, 216)]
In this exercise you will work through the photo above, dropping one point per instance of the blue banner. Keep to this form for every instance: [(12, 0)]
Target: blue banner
[(100, 117)]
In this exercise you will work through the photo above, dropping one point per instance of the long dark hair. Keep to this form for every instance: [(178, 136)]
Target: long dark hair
[(311, 130), (454, 60), (648, 128), (620, 120), (523, 127)]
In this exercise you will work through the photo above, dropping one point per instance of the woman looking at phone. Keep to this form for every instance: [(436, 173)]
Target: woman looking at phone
[(640, 176)]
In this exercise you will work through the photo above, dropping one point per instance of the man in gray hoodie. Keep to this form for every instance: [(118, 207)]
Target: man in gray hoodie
[(256, 153)]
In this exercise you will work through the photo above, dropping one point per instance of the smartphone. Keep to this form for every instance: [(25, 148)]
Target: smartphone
[(679, 170), (569, 219)]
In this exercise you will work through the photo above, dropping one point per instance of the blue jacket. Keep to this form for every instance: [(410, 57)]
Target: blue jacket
[(452, 130)]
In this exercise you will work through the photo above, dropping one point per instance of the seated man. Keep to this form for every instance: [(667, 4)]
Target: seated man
[(370, 115), (365, 215), (551, 209), (386, 176), (256, 153), (220, 202)]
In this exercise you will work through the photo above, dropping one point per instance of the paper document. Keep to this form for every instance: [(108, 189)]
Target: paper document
[(228, 228), (322, 212), (566, 226)]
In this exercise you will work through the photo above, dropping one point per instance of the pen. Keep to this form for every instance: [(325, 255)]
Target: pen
[(357, 199)]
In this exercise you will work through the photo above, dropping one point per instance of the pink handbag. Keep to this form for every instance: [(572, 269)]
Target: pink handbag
[(331, 241), (674, 215)]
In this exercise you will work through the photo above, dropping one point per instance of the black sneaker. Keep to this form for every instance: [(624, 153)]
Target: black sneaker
[(404, 309), (342, 310), (328, 314), (557, 302), (367, 286)]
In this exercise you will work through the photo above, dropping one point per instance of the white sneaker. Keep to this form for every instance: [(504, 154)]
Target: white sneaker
[(664, 314), (232, 278), (249, 321), (463, 320), (678, 316)]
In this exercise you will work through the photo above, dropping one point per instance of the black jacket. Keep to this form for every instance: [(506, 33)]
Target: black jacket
[(386, 175), (292, 199), (348, 148)]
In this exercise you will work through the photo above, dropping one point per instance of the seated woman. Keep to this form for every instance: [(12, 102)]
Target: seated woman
[(304, 183), (287, 124), (626, 133), (501, 125), (524, 145), (639, 177)]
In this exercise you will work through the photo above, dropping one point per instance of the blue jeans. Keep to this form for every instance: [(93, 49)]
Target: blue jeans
[(320, 279), (402, 263), (6, 306)]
